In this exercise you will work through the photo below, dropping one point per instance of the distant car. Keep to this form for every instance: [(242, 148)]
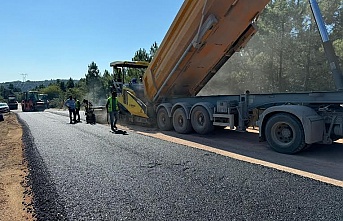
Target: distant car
[(4, 108)]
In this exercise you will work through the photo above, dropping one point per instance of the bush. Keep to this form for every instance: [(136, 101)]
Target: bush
[(56, 103)]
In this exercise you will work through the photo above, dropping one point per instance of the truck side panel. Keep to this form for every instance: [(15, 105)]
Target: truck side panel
[(202, 37)]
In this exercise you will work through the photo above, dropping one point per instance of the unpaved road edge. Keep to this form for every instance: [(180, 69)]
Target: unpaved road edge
[(15, 194)]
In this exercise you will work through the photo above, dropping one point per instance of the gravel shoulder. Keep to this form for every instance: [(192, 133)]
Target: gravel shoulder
[(15, 199)]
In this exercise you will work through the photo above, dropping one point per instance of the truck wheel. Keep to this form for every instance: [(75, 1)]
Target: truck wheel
[(285, 134), (201, 121), (163, 120), (180, 122)]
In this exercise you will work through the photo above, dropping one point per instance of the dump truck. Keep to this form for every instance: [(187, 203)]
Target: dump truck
[(202, 37)]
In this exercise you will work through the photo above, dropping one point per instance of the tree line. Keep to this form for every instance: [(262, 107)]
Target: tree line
[(285, 55), (95, 86)]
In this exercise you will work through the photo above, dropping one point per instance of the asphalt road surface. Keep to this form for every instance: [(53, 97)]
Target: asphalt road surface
[(84, 172)]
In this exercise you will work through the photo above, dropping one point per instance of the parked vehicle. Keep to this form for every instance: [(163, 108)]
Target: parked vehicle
[(196, 46), (4, 108)]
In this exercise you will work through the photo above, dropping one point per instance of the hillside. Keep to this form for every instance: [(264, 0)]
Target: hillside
[(29, 85)]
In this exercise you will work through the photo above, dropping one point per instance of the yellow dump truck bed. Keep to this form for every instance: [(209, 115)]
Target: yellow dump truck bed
[(203, 35)]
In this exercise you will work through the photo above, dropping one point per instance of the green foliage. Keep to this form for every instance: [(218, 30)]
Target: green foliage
[(63, 86), (70, 83), (338, 45), (38, 87), (141, 55), (56, 103), (16, 90), (94, 83), (153, 50), (81, 84), (4, 92), (11, 86), (286, 54), (53, 91), (94, 86), (76, 93), (107, 81)]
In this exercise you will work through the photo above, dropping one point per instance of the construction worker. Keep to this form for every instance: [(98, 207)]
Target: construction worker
[(77, 109), (89, 112), (113, 109), (87, 104), (70, 103)]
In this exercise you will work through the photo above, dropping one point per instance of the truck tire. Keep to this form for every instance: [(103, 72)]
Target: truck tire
[(163, 120), (181, 124), (284, 133), (201, 122)]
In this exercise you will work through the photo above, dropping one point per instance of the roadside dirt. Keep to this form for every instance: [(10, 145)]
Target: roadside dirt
[(15, 201)]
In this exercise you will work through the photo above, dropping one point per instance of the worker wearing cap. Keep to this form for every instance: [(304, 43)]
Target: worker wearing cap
[(112, 109)]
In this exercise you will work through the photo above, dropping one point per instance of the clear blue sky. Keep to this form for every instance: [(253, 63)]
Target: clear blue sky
[(58, 39)]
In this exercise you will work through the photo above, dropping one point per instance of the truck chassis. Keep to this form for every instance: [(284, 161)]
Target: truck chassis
[(289, 122)]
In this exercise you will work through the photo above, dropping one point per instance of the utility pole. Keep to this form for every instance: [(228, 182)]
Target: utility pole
[(24, 77), (23, 82)]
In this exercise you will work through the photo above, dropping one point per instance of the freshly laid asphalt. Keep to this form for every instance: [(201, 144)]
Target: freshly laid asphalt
[(84, 172)]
